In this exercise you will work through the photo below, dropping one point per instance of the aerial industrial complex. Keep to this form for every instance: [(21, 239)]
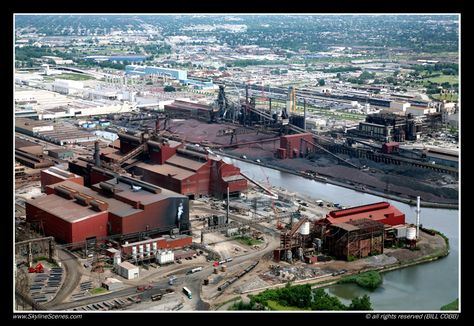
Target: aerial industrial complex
[(153, 185)]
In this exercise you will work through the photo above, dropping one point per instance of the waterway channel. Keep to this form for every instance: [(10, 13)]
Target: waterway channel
[(424, 287)]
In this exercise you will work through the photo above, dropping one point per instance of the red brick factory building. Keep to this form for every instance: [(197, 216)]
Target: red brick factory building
[(358, 232), (73, 213), (188, 170)]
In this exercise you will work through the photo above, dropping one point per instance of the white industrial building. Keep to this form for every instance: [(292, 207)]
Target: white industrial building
[(67, 87), (165, 257), (128, 271), (419, 110), (399, 106), (112, 284)]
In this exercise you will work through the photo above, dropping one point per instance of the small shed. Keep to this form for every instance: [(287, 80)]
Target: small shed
[(112, 284), (60, 153), (128, 271)]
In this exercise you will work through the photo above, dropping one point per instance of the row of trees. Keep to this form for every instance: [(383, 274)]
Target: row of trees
[(302, 297)]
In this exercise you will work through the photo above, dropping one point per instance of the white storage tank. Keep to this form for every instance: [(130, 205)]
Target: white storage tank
[(117, 260), (134, 252), (411, 233), (402, 232), (140, 250), (165, 257), (304, 229), (155, 247)]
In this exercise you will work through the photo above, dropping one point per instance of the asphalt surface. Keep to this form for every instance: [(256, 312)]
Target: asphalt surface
[(192, 281), (71, 280)]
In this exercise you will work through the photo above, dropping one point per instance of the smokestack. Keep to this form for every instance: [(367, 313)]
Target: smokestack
[(417, 217), (304, 121), (247, 94), (97, 154), (227, 220)]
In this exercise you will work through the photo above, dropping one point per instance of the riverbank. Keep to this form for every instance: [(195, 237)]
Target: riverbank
[(408, 201), (429, 248)]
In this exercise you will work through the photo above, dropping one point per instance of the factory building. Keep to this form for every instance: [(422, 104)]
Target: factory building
[(73, 213), (30, 154), (54, 175), (292, 146), (58, 133), (151, 70), (355, 239), (147, 249), (28, 146), (382, 212), (188, 110), (388, 127), (60, 153), (170, 165), (357, 232)]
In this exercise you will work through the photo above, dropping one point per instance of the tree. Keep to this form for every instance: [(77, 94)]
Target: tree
[(362, 303), (169, 88), (321, 82)]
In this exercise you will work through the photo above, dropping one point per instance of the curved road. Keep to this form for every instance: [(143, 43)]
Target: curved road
[(192, 281), (71, 279)]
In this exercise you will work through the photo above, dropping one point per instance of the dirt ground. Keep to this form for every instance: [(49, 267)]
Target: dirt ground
[(271, 274)]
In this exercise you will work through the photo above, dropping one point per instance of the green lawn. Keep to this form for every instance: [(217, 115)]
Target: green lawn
[(97, 291), (248, 241), (452, 79), (71, 76), (451, 306), (273, 305)]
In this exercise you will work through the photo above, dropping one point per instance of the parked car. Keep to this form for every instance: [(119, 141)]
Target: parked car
[(142, 288)]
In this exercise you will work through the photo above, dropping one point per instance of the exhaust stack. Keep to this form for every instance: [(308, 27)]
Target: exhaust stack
[(97, 154), (417, 217)]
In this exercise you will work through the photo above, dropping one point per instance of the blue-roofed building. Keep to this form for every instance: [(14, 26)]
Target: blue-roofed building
[(151, 70)]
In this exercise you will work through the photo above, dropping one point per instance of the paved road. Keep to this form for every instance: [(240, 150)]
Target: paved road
[(71, 280), (192, 281)]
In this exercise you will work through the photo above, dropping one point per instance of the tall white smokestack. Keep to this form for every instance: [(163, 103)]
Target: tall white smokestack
[(417, 217)]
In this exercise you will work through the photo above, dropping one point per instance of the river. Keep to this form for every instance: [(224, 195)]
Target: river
[(424, 287)]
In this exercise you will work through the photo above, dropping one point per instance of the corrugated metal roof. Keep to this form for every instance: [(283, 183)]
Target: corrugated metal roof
[(20, 143), (231, 178), (186, 163), (347, 227), (126, 265), (67, 210), (377, 211), (116, 207), (166, 170)]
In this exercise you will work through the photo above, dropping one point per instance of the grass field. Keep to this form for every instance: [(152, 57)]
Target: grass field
[(97, 291), (451, 306), (75, 77), (449, 97), (273, 305), (248, 241), (452, 79)]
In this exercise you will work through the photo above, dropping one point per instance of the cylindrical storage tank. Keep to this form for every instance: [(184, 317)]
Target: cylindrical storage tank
[(304, 229), (134, 252), (140, 251), (154, 247), (411, 233), (223, 268)]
